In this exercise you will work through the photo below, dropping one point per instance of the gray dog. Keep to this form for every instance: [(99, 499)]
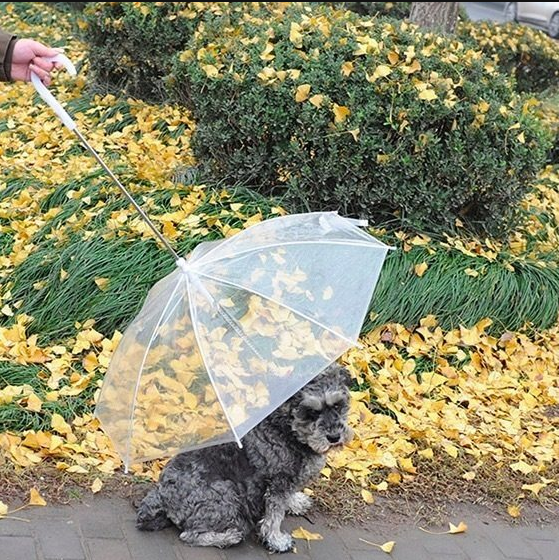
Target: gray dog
[(217, 495)]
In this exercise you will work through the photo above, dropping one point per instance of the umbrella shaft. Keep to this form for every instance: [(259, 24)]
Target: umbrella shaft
[(127, 194)]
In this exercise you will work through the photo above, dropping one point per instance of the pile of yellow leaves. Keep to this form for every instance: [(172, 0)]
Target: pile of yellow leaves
[(461, 393)]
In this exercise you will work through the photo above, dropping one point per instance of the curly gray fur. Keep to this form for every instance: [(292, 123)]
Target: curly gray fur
[(218, 495)]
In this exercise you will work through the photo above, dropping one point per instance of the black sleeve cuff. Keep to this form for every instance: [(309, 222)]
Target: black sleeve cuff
[(8, 59)]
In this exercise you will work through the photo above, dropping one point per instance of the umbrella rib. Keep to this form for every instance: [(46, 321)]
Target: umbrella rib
[(269, 220), (351, 243), (267, 297), (140, 369), (193, 318)]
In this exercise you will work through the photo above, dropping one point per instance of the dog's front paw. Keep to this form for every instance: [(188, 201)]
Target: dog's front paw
[(283, 542), (299, 503)]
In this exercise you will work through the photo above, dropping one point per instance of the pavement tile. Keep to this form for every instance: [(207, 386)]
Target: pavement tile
[(59, 540), (98, 524), (17, 548), (150, 545), (548, 549), (510, 543), (15, 528), (185, 552), (108, 549)]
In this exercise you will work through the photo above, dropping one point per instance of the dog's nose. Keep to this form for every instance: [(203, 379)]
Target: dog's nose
[(333, 438)]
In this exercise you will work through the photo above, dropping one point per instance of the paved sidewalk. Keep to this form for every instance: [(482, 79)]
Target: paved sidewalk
[(102, 528)]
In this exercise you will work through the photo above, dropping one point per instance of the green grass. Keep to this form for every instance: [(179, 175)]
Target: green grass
[(529, 296), (132, 265), (14, 417)]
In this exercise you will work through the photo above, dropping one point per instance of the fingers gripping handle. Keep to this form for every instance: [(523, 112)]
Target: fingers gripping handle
[(47, 96)]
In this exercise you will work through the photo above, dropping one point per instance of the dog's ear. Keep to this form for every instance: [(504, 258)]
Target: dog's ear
[(345, 376)]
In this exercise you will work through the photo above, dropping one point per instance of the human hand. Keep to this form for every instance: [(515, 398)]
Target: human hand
[(30, 56)]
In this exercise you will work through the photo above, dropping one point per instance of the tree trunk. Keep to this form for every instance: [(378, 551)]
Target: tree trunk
[(438, 16)]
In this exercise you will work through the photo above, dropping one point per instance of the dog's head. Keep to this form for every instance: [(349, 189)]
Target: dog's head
[(319, 410)]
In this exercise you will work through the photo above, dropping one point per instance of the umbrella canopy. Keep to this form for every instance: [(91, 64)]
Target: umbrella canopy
[(234, 332)]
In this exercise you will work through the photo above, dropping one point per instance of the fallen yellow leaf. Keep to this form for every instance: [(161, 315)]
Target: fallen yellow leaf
[(420, 269), (302, 93), (428, 95), (523, 467), (386, 547), (513, 511), (367, 496), (535, 488), (460, 528), (347, 68), (317, 100), (102, 283), (453, 529), (35, 499), (340, 113), (301, 533), (59, 424), (3, 509), (34, 403), (96, 486)]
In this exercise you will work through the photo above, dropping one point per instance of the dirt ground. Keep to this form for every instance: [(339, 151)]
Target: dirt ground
[(434, 497)]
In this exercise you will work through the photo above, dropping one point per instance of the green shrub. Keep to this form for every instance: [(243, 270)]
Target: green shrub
[(363, 116), (400, 10), (131, 44), (529, 55), (548, 110)]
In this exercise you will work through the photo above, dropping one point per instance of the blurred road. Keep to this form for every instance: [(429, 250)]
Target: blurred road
[(492, 11)]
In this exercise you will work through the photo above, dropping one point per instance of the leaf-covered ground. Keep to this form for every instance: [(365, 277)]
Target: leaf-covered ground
[(478, 399)]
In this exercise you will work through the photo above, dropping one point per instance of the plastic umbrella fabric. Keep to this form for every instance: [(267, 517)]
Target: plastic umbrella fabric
[(235, 330)]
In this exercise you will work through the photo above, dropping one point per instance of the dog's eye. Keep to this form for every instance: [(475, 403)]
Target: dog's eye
[(312, 414), (337, 406)]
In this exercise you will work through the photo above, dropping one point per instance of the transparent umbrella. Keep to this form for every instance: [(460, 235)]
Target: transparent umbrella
[(235, 330)]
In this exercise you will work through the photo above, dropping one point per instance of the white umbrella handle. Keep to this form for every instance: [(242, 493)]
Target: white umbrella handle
[(48, 97)]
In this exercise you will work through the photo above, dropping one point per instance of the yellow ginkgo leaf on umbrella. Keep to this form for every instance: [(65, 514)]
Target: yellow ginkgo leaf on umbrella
[(303, 534), (386, 547), (35, 499)]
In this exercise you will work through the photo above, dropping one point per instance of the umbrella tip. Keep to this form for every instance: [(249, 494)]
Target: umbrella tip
[(183, 265)]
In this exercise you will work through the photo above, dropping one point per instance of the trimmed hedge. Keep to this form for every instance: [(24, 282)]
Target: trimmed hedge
[(531, 56), (131, 44), (365, 116)]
